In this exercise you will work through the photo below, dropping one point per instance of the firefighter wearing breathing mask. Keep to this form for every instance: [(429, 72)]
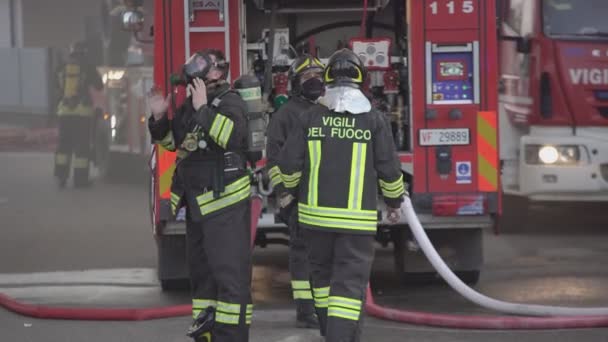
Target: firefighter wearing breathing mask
[(305, 76), (209, 133), (334, 162)]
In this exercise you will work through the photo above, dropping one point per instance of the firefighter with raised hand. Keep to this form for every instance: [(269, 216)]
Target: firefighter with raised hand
[(305, 76), (209, 134), (334, 163), (75, 116)]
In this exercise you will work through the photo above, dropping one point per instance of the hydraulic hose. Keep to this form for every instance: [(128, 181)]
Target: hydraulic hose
[(569, 318), (476, 297)]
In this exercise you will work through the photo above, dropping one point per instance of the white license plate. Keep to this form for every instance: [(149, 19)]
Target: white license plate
[(448, 136)]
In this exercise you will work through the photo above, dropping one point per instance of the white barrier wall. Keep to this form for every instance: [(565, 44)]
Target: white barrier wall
[(25, 85)]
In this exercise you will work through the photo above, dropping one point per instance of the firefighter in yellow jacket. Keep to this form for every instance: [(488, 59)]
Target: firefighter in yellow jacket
[(334, 163), (209, 134), (76, 114)]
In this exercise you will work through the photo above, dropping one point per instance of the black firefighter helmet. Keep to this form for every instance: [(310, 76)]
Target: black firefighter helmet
[(300, 66), (344, 68)]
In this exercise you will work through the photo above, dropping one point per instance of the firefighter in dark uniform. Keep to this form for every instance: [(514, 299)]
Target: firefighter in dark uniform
[(75, 116), (337, 158), (209, 134), (305, 76)]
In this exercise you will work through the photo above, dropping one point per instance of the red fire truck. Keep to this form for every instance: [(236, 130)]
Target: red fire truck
[(554, 99), (436, 82)]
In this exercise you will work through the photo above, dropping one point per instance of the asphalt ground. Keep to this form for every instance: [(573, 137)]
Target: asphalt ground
[(93, 248)]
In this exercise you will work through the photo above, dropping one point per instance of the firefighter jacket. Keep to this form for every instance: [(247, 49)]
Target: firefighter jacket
[(76, 79), (337, 162), (282, 123), (213, 176)]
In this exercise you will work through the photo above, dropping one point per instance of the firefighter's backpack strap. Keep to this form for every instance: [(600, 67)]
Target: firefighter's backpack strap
[(218, 99)]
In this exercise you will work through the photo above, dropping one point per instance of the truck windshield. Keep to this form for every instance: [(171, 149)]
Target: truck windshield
[(584, 19)]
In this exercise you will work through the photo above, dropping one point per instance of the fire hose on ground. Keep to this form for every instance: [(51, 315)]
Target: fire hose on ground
[(537, 316), (559, 317)]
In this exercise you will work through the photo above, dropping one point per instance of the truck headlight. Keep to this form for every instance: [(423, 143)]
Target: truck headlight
[(548, 154), (553, 155)]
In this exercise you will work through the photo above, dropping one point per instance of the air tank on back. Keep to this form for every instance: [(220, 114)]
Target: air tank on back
[(249, 88)]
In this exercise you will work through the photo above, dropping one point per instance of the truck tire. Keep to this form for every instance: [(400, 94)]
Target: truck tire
[(515, 212), (413, 269), (469, 277), (171, 267)]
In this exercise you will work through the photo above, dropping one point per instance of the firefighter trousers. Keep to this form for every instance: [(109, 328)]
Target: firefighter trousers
[(219, 260), (298, 266), (340, 265), (74, 139)]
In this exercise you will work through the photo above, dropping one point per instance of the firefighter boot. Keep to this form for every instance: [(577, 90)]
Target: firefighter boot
[(200, 330), (306, 317)]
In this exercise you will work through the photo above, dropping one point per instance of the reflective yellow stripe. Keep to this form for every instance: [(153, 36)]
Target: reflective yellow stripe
[(226, 201), (274, 171), (344, 307), (226, 133), (227, 198), (303, 65), (229, 307), (216, 126), (394, 189), (168, 142), (275, 176), (230, 188), (228, 313), (352, 224), (291, 181), (61, 159), (314, 150), (302, 294), (343, 313), (248, 313), (275, 180), (81, 163), (321, 296), (203, 303), (293, 177), (225, 318), (196, 312), (357, 176), (338, 212), (348, 303), (300, 284)]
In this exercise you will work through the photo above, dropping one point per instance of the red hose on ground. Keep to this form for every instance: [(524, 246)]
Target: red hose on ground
[(482, 322), (127, 314), (410, 317), (89, 314)]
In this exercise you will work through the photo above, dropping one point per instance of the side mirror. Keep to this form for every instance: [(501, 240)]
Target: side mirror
[(133, 20)]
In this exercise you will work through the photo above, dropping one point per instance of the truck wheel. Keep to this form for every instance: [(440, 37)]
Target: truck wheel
[(399, 236), (469, 277), (172, 270), (515, 210)]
